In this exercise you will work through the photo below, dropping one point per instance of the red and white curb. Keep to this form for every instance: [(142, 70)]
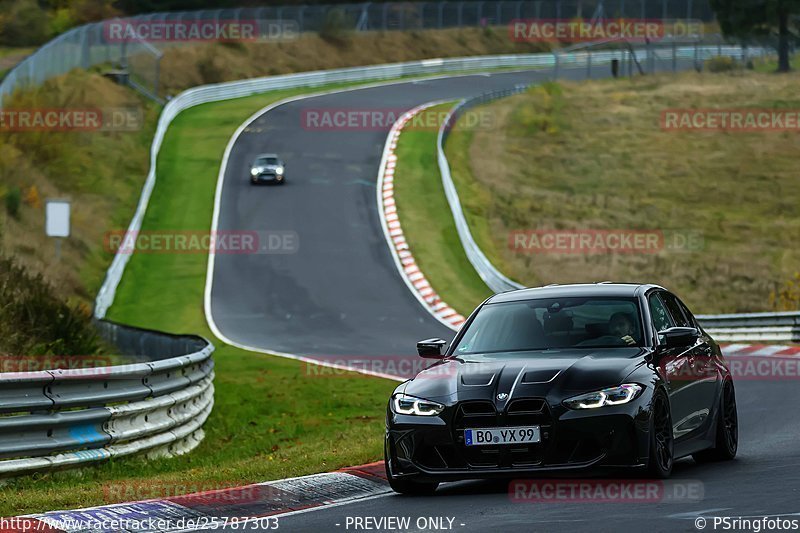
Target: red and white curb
[(393, 230), (760, 350), (212, 509)]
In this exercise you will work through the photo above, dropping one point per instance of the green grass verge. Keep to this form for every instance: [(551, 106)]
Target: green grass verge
[(271, 418), (428, 223), (593, 155)]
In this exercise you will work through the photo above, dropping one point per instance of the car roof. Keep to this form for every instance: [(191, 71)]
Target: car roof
[(262, 156), (604, 288)]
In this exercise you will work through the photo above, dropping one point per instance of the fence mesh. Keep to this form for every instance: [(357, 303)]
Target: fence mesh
[(89, 45)]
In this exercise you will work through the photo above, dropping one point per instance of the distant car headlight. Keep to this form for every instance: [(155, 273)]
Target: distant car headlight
[(612, 396), (403, 404), (255, 171), (279, 170)]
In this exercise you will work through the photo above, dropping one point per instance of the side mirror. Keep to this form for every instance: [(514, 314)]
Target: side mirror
[(432, 348), (678, 337)]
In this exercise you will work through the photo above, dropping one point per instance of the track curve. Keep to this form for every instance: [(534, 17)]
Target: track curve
[(340, 294)]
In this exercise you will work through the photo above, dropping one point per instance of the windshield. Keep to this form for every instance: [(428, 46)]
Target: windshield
[(264, 161), (598, 322)]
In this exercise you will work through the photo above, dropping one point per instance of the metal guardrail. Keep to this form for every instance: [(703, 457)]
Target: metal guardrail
[(88, 45), (71, 417), (236, 89), (774, 327)]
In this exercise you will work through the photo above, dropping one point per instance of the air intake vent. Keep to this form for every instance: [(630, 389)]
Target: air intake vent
[(539, 376), (476, 380), (527, 405)]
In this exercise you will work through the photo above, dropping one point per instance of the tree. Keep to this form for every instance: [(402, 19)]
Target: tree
[(747, 19)]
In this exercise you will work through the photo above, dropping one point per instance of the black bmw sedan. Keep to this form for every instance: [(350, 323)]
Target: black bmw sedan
[(563, 378)]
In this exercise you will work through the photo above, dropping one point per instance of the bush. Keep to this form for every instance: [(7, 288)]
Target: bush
[(23, 23), (13, 201), (722, 64), (337, 27), (545, 116), (33, 321)]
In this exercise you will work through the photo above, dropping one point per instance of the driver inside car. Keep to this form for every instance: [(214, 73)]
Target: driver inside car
[(620, 325)]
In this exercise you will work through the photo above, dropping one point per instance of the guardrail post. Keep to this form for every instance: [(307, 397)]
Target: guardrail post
[(157, 80), (674, 57), (589, 64), (555, 66)]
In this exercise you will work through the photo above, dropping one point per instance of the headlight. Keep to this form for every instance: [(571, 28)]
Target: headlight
[(612, 396), (278, 170), (255, 171), (409, 405)]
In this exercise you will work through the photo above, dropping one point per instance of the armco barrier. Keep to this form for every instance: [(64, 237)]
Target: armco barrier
[(768, 327), (772, 327), (237, 89), (493, 278), (70, 417)]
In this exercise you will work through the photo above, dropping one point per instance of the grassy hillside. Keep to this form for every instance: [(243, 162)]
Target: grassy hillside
[(186, 66), (594, 156), (100, 172)]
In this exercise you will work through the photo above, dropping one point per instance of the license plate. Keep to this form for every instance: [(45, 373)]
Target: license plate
[(495, 436)]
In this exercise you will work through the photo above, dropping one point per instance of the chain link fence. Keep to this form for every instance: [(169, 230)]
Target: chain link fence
[(90, 45)]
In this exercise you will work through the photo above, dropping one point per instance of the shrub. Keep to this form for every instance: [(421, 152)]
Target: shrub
[(545, 116), (722, 64), (13, 201), (33, 321), (787, 298), (337, 27), (23, 23)]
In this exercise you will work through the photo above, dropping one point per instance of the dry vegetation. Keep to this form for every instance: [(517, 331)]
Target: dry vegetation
[(100, 172), (593, 156), (187, 66)]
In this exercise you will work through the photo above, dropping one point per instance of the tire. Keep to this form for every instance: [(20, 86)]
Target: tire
[(726, 442), (662, 442), (405, 486)]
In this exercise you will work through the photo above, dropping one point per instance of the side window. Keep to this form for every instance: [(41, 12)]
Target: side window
[(689, 315), (675, 310), (658, 312)]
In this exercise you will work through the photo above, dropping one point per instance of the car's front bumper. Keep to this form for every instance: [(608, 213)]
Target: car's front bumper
[(266, 178), (432, 448)]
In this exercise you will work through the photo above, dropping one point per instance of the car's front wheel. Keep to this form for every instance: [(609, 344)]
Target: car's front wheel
[(727, 437), (406, 486), (662, 444)]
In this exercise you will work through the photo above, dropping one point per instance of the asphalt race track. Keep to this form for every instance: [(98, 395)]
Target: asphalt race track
[(763, 480), (340, 295)]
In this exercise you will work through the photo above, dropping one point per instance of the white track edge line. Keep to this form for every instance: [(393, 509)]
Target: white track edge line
[(218, 196)]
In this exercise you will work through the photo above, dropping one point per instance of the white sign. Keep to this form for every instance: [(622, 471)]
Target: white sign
[(57, 218)]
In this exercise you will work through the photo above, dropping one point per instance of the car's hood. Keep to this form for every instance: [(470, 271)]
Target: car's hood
[(525, 374)]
